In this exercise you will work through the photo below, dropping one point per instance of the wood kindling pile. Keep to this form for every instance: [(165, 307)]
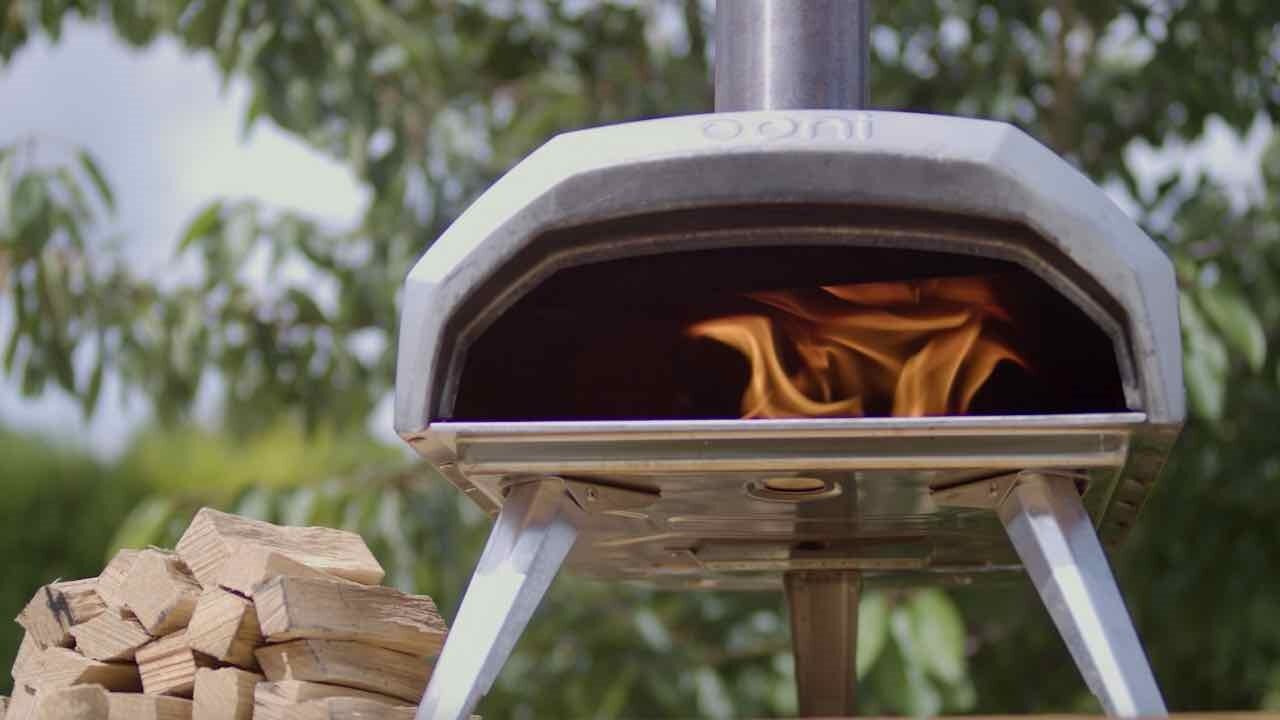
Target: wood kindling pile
[(243, 619)]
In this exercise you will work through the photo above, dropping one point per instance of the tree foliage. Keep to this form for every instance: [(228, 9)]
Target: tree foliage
[(427, 101), (58, 512)]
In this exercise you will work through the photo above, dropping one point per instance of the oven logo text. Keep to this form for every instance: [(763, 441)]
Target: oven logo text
[(783, 127)]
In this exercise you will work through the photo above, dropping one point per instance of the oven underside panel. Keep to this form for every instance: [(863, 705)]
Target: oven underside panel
[(690, 504)]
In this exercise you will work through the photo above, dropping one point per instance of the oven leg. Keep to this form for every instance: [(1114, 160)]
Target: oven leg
[(1055, 539), (534, 532), (823, 605)]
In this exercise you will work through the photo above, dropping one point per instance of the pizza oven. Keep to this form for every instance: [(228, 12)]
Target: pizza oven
[(795, 344)]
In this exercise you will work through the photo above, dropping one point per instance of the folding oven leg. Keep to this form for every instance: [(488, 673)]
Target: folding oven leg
[(534, 532), (1055, 539), (823, 605)]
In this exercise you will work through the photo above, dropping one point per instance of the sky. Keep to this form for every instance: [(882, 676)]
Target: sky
[(168, 135)]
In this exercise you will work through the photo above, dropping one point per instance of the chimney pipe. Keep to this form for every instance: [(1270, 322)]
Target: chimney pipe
[(791, 54)]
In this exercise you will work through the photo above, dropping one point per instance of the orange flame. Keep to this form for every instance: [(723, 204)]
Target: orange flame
[(916, 348)]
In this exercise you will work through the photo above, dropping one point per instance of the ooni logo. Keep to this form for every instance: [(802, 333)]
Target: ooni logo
[(856, 126)]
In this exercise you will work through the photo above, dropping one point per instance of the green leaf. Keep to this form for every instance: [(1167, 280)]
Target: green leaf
[(33, 379), (79, 204), (251, 114), (256, 502), (1205, 366), (89, 401), (207, 222), (67, 221), (11, 349), (713, 699), (939, 634), (144, 525), (60, 357), (99, 180), (1237, 322), (903, 681), (1204, 362), (873, 630), (309, 313), (28, 202), (614, 700)]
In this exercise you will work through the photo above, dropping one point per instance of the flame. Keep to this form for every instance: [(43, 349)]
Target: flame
[(911, 348)]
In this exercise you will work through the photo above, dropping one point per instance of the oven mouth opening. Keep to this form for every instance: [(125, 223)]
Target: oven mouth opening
[(789, 331)]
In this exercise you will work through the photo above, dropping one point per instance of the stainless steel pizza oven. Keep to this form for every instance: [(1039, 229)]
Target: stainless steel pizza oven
[(796, 348)]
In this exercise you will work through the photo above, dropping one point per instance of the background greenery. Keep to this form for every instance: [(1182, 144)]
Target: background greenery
[(427, 101)]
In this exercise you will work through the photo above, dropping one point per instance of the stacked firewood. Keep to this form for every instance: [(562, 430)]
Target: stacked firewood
[(244, 619)]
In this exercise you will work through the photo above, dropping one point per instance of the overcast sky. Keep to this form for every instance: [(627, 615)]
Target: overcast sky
[(168, 137)]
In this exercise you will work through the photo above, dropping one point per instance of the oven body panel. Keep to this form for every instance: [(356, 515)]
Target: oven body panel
[(902, 161)]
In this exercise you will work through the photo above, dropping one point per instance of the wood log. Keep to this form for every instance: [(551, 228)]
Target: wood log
[(290, 608), (82, 702), (58, 667), (256, 565), (22, 704), (132, 706), (341, 662), (214, 536), (346, 708), (272, 699), (224, 694), (114, 635), (56, 607), (160, 591), (28, 649), (111, 581), (224, 626), (168, 665)]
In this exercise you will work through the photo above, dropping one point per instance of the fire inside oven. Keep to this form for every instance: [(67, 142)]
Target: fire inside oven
[(793, 319)]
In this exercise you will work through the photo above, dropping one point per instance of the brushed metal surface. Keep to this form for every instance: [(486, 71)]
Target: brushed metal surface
[(823, 611), (1056, 542), (530, 539), (692, 519), (783, 54)]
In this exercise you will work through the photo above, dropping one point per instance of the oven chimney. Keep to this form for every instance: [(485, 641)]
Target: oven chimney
[(791, 54)]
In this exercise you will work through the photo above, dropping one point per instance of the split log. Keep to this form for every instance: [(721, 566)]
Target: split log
[(111, 582), (58, 606), (341, 662), (255, 565), (28, 649), (168, 665), (215, 536), (114, 635), (290, 608), (22, 704), (82, 702), (224, 694), (132, 706), (58, 667), (345, 708), (224, 626), (160, 591), (272, 699)]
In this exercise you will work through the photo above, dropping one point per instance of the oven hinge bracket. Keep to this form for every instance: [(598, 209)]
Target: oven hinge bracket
[(597, 498), (989, 493)]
